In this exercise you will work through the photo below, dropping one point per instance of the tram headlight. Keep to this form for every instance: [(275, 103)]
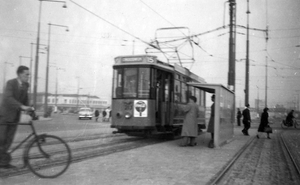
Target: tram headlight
[(127, 115)]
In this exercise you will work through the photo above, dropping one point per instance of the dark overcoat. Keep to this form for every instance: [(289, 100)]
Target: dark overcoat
[(190, 124), (211, 125), (264, 121)]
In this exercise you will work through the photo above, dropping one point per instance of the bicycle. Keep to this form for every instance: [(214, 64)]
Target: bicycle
[(293, 123), (47, 156)]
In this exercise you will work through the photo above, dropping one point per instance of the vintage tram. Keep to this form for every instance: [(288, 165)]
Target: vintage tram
[(148, 95)]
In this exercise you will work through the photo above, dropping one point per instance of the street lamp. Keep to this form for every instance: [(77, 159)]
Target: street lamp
[(37, 50), (4, 73), (47, 68), (133, 41), (56, 84), (31, 67), (78, 88), (23, 57)]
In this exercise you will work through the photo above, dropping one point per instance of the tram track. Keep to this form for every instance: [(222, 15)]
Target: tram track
[(82, 150), (296, 161), (261, 161)]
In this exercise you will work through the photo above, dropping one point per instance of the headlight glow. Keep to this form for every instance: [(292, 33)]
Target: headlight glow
[(127, 115)]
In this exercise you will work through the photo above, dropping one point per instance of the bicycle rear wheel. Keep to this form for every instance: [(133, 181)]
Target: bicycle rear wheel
[(48, 156), (283, 125)]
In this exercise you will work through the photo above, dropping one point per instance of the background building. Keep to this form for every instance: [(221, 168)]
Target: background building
[(70, 102)]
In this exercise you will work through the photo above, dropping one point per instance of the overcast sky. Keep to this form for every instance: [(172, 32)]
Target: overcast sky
[(98, 28)]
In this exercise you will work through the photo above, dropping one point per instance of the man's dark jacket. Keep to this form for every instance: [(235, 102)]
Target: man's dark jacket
[(14, 96), (246, 115)]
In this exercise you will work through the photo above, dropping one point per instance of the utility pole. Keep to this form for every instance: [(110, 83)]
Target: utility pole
[(247, 59), (78, 87), (232, 32), (266, 84)]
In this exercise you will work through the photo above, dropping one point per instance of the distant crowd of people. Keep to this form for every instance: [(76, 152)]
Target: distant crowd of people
[(264, 124), (106, 115)]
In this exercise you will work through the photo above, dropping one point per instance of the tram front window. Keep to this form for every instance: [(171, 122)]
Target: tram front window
[(131, 83)]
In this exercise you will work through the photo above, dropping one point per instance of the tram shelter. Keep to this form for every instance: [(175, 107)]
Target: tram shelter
[(224, 111)]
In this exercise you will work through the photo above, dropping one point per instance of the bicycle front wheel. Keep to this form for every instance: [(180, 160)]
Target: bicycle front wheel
[(48, 156)]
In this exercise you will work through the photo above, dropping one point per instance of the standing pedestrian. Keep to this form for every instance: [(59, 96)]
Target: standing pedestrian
[(107, 110), (264, 122), (238, 117), (211, 125), (246, 120), (15, 99), (109, 115), (190, 124), (96, 115), (103, 115)]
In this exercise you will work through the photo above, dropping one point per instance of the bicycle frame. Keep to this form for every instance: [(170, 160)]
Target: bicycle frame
[(33, 133)]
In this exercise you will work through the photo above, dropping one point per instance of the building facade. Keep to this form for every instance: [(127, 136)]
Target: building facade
[(71, 102), (68, 102)]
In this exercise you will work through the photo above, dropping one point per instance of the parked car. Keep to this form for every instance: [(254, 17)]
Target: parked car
[(85, 113)]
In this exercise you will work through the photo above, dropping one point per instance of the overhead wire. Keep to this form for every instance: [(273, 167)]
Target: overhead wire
[(98, 16)]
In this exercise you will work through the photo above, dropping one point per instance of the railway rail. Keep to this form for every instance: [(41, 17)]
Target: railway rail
[(264, 161), (84, 148)]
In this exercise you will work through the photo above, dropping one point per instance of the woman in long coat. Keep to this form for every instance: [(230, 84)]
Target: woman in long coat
[(190, 124), (211, 125), (264, 121)]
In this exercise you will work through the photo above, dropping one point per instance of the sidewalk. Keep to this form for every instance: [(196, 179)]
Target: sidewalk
[(160, 164)]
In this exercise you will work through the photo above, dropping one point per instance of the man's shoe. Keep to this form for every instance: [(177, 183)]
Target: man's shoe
[(194, 144), (7, 166), (244, 132)]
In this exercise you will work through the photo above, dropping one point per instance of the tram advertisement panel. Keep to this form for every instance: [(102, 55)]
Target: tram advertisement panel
[(140, 108)]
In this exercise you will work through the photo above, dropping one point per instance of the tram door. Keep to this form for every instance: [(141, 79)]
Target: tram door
[(163, 97)]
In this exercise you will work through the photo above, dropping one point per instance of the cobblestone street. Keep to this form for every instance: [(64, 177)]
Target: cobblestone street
[(264, 162)]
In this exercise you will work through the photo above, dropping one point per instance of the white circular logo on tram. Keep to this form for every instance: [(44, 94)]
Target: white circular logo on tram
[(140, 106)]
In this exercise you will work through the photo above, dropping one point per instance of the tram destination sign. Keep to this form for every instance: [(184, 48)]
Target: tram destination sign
[(132, 59)]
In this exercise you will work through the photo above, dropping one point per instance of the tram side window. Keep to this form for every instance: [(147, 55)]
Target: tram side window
[(183, 92), (190, 92), (177, 93), (144, 83), (117, 80), (198, 96), (202, 94)]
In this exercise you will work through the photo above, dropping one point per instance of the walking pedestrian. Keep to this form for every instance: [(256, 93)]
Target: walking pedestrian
[(103, 115), (96, 115), (15, 99), (190, 124), (211, 125), (246, 120), (238, 117), (264, 122)]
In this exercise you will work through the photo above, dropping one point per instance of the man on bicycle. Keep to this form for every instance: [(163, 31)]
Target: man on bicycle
[(15, 99), (289, 118)]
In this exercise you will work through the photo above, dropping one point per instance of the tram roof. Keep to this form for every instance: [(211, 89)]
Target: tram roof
[(153, 60)]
